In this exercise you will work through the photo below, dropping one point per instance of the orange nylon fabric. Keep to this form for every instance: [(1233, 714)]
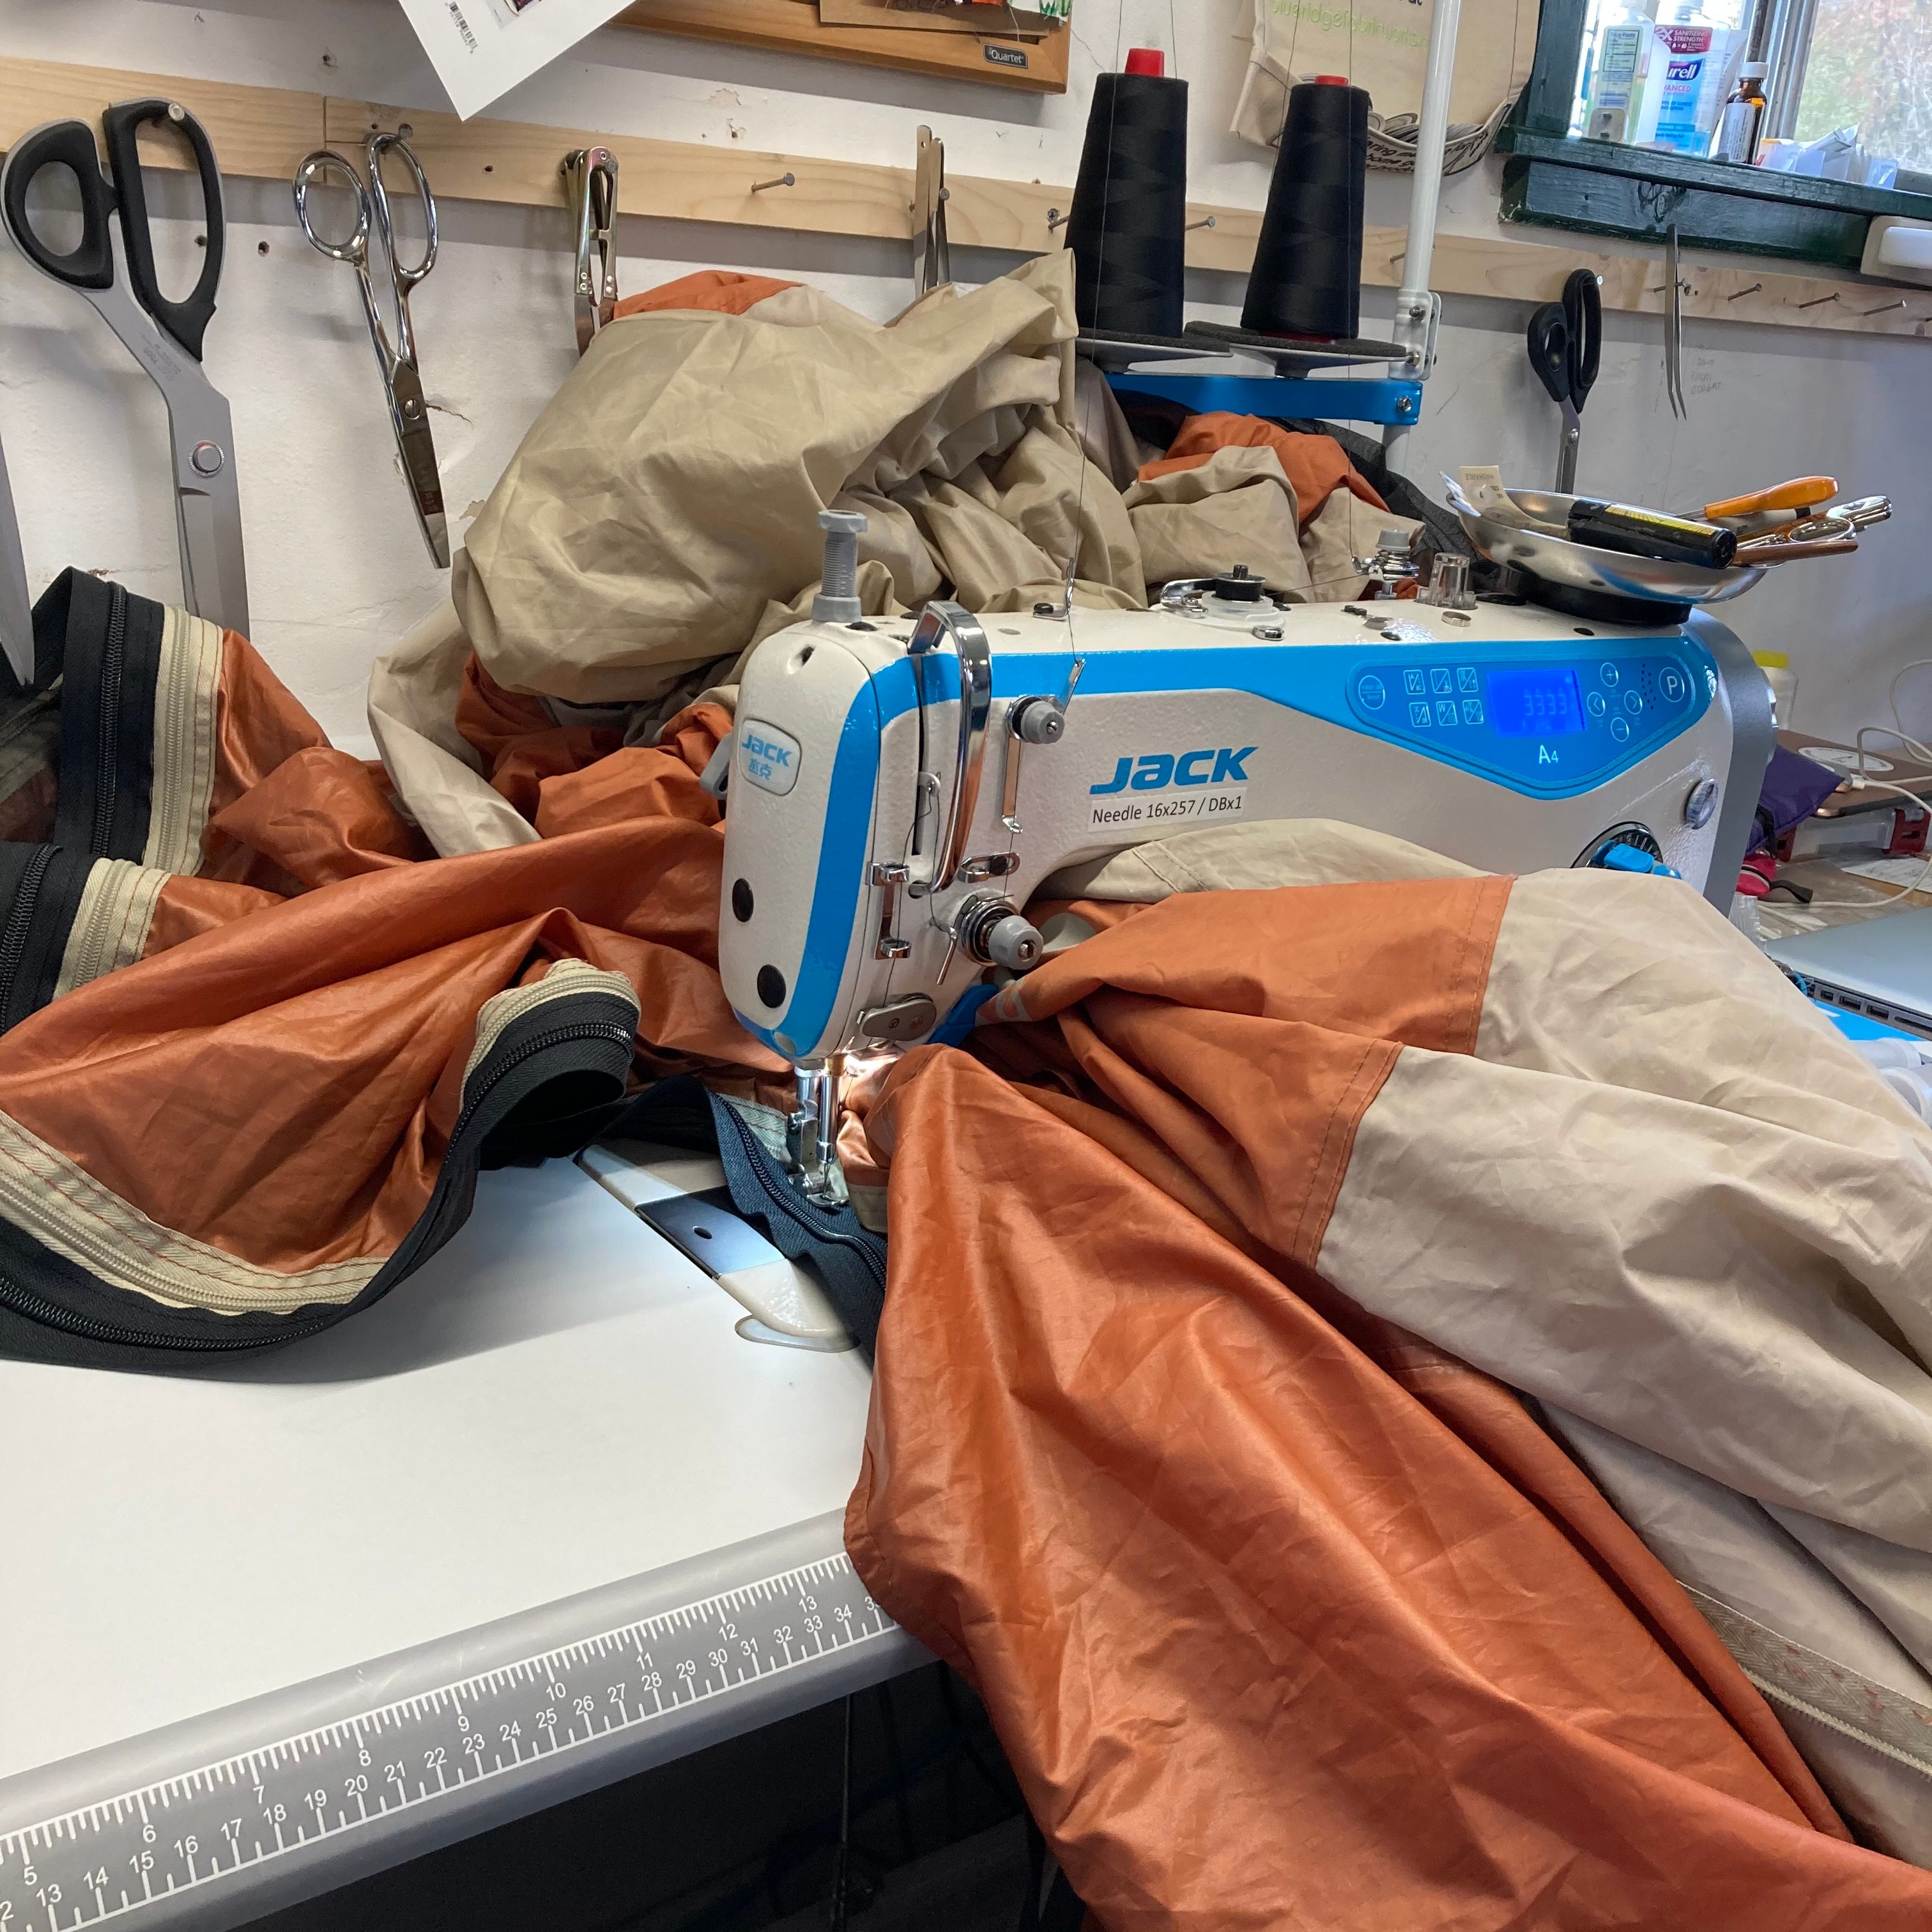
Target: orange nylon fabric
[(719, 289), (1269, 1642), (267, 1087), (319, 817), (1185, 1019), (189, 907), (1315, 466)]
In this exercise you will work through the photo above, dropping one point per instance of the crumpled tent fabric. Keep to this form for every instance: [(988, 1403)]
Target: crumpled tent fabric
[(669, 493), (1288, 1613), (1098, 1515)]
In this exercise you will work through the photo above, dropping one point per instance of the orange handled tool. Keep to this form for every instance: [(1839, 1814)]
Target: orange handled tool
[(1800, 493)]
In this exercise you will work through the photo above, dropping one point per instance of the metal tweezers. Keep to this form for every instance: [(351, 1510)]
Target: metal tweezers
[(1673, 328), (932, 257)]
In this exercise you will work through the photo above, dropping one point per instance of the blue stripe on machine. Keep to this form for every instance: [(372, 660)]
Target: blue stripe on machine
[(1313, 678)]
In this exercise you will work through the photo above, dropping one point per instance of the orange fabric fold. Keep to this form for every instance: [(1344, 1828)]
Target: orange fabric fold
[(720, 288), (319, 817), (1315, 466), (266, 1086), (1268, 1642), (188, 907), (494, 720)]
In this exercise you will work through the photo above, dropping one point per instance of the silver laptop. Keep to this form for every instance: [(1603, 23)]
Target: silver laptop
[(1881, 967)]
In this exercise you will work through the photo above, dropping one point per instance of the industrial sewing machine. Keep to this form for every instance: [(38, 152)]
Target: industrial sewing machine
[(900, 788)]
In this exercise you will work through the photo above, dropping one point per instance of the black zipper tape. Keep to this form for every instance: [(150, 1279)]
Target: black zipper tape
[(74, 1317), (108, 642)]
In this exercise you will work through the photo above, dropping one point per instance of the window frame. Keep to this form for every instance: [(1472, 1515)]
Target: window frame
[(1554, 179)]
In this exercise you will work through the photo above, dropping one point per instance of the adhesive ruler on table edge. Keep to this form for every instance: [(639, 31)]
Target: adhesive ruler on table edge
[(213, 1822)]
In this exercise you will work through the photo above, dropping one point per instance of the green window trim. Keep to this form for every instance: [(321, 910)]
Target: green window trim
[(1597, 188)]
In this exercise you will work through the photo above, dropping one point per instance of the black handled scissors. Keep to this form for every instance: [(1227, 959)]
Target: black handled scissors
[(408, 410), (164, 336), (1566, 343)]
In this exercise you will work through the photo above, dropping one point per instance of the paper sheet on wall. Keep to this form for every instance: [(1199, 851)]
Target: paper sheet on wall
[(480, 48)]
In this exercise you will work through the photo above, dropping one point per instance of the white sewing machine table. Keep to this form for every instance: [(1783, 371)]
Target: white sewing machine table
[(537, 1467)]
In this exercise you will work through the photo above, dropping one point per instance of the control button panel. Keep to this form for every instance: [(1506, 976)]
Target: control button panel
[(1542, 723)]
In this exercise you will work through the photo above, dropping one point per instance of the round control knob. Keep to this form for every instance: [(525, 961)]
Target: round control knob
[(1014, 943), (991, 929), (1239, 586), (1039, 720)]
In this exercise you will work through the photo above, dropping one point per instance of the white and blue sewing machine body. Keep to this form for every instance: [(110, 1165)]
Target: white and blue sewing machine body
[(877, 846)]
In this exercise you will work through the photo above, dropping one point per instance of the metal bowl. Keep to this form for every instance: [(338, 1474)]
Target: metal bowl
[(1583, 567)]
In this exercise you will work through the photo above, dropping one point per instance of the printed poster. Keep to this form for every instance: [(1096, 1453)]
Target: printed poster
[(480, 48)]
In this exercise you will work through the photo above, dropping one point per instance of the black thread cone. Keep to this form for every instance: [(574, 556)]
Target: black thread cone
[(1127, 227), (1307, 276)]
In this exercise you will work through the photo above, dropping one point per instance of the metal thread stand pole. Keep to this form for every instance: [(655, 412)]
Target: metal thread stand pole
[(1416, 311)]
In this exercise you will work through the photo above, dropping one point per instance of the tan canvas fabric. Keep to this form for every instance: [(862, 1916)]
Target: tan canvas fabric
[(1251, 857), (620, 491), (1733, 1552), (1236, 508), (413, 691), (1686, 1211)]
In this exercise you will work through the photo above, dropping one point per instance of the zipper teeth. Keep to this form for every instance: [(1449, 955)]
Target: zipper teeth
[(51, 1315), (789, 1207), (107, 721), (538, 1043), (19, 923)]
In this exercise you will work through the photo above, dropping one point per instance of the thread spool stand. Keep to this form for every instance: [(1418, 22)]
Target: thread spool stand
[(1394, 401)]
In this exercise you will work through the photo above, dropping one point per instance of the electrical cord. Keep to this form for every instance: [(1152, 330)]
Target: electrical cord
[(1862, 781), (1858, 782)]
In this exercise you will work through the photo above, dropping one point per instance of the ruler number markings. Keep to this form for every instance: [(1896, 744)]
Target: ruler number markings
[(115, 1856)]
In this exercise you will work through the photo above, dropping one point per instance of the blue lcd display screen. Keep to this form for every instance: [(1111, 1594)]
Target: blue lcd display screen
[(1534, 703)]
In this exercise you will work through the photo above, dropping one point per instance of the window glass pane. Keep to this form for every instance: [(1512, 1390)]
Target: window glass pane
[(1654, 73), (1870, 68)]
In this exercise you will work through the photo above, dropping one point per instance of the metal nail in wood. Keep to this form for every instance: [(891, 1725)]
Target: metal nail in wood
[(778, 180), (1819, 302), (1742, 293)]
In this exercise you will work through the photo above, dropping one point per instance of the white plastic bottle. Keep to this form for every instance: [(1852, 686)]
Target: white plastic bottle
[(1626, 43)]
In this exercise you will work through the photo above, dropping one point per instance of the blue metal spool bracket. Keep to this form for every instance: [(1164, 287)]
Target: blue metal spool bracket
[(1392, 400)]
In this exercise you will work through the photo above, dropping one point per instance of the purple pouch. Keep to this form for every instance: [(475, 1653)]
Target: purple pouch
[(1794, 787)]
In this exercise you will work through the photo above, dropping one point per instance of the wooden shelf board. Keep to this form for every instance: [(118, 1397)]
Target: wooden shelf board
[(265, 132), (794, 27)]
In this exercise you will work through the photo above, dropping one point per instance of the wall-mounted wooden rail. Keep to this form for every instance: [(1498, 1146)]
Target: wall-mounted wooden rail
[(265, 132)]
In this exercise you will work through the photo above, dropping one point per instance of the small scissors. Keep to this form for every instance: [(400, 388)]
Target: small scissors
[(409, 415), (164, 336), (1566, 343)]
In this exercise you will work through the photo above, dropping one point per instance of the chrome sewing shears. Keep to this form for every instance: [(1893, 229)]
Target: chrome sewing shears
[(164, 336), (1566, 344), (409, 413)]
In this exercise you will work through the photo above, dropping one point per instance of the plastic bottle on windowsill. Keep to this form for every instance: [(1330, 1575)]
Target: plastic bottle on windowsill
[(1686, 66), (1620, 67)]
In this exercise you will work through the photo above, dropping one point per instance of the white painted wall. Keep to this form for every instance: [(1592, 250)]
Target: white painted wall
[(337, 570)]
